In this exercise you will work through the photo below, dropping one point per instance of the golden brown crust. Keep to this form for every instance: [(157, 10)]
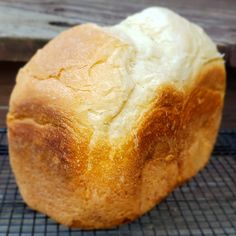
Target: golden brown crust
[(174, 141), (182, 132), (103, 183)]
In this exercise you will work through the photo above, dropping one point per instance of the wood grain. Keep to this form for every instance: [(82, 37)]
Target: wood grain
[(26, 25)]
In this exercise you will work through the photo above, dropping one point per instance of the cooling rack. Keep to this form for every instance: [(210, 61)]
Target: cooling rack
[(206, 205)]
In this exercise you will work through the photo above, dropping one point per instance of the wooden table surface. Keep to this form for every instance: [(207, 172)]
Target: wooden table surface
[(26, 25)]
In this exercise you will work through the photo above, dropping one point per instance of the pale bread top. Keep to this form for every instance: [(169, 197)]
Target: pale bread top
[(115, 81)]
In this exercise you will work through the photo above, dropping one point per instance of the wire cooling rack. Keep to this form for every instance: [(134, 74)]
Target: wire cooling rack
[(206, 205)]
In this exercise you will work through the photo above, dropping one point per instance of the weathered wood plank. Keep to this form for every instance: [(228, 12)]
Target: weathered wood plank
[(26, 25)]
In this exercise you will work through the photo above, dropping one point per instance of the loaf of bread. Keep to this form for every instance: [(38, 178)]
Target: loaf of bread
[(105, 122)]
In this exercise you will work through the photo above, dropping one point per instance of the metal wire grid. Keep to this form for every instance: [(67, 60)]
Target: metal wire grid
[(204, 206)]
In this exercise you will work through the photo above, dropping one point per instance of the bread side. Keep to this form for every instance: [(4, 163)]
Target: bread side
[(169, 50), (105, 122)]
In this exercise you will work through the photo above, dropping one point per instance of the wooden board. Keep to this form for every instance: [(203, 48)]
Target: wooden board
[(27, 25)]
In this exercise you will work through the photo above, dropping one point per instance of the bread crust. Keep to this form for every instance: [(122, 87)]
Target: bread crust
[(60, 174)]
